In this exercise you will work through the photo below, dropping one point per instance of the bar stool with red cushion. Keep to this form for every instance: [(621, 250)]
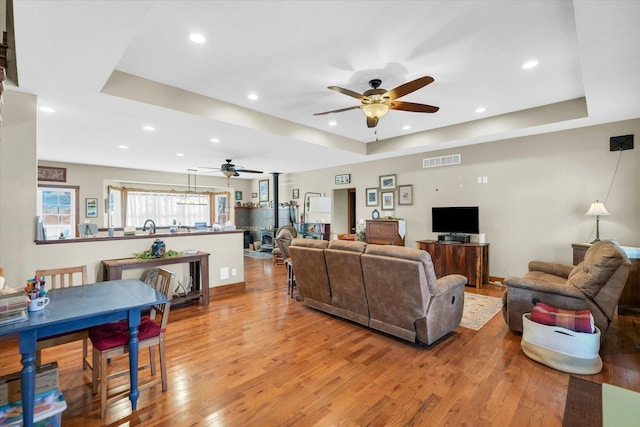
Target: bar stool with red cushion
[(112, 340)]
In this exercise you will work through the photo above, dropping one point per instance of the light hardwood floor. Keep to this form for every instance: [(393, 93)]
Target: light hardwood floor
[(260, 358)]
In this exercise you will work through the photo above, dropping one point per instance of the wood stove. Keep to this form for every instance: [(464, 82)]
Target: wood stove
[(267, 240)]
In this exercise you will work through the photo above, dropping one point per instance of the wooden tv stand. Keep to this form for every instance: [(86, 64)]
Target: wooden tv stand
[(469, 259)]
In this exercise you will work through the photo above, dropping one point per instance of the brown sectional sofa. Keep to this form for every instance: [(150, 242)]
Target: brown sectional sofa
[(388, 288)]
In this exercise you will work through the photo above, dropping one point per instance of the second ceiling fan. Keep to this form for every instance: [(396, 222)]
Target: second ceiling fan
[(376, 101), (229, 169)]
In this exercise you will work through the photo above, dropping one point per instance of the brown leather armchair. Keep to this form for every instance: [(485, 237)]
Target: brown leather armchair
[(595, 284)]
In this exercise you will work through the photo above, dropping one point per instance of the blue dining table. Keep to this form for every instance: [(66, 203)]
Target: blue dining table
[(76, 308)]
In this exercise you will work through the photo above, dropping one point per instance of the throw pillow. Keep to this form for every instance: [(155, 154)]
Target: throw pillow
[(575, 320)]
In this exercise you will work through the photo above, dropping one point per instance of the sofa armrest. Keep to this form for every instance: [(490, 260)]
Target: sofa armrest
[(554, 268), (447, 283), (540, 286)]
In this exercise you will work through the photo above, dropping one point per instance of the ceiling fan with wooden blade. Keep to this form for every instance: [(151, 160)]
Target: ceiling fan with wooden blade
[(376, 101), (229, 169)]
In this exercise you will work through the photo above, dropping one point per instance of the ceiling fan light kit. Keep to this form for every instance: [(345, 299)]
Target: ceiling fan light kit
[(376, 102)]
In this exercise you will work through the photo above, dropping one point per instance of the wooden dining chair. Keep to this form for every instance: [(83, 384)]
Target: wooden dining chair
[(112, 340), (56, 278)]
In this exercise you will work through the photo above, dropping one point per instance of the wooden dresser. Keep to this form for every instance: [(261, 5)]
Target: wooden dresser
[(469, 259), (384, 232)]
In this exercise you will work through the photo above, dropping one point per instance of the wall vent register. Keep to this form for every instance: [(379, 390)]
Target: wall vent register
[(434, 162)]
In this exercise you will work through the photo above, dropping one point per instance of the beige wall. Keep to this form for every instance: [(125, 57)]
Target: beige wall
[(533, 205)]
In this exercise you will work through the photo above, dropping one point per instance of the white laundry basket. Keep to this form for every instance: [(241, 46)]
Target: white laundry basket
[(560, 348)]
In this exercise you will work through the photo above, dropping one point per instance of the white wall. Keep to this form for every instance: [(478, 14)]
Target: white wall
[(539, 188)]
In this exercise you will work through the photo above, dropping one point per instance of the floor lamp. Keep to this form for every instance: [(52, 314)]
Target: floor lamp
[(597, 209)]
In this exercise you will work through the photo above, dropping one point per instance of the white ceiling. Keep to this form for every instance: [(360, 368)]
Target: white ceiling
[(110, 67)]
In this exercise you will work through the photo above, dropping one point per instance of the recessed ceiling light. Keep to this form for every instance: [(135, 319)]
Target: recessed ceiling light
[(253, 96), (480, 110), (180, 154), (406, 127), (123, 147), (197, 38), (214, 140), (333, 123), (47, 109), (149, 128), (530, 64)]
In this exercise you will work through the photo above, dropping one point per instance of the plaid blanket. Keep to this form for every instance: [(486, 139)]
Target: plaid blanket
[(575, 320)]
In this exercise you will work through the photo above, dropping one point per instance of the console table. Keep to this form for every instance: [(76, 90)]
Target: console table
[(469, 259), (630, 298), (198, 269)]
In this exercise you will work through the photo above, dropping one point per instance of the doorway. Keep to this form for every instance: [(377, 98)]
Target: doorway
[(351, 211), (344, 211)]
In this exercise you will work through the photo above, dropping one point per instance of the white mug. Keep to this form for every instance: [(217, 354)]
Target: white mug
[(38, 303)]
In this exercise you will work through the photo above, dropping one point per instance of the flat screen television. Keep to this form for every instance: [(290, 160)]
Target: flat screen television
[(455, 220)]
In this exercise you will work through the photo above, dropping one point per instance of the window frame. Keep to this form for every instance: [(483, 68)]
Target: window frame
[(76, 189)]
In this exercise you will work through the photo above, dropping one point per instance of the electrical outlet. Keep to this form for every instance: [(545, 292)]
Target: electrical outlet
[(485, 179), (479, 180), (234, 271), (224, 273)]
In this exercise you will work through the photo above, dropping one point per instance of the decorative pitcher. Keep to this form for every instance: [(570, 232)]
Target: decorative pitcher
[(158, 248)]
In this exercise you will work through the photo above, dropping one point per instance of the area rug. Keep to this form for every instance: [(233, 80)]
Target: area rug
[(478, 310), (257, 254), (591, 404)]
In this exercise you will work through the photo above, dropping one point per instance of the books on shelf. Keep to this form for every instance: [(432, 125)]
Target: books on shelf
[(13, 306)]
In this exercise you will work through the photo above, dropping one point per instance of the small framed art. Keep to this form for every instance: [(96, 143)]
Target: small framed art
[(263, 189), (254, 195), (387, 200), (372, 196), (405, 194), (344, 178), (387, 182), (295, 194), (238, 195), (91, 205)]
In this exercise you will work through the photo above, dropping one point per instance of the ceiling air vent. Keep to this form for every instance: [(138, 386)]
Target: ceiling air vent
[(434, 162)]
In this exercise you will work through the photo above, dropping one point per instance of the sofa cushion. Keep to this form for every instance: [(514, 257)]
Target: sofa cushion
[(600, 261), (347, 245), (408, 254)]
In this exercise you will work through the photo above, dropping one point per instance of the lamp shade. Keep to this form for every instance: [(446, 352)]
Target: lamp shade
[(597, 209)]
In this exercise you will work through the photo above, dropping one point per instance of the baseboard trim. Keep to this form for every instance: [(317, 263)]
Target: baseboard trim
[(226, 290)]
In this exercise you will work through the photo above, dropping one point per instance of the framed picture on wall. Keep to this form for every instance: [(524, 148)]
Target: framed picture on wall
[(254, 195), (387, 182), (387, 200), (48, 173), (91, 205), (238, 195), (372, 196), (263, 189), (344, 178), (405, 194), (296, 193)]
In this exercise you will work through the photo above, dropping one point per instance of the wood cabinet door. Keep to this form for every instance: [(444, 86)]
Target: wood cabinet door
[(382, 232)]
